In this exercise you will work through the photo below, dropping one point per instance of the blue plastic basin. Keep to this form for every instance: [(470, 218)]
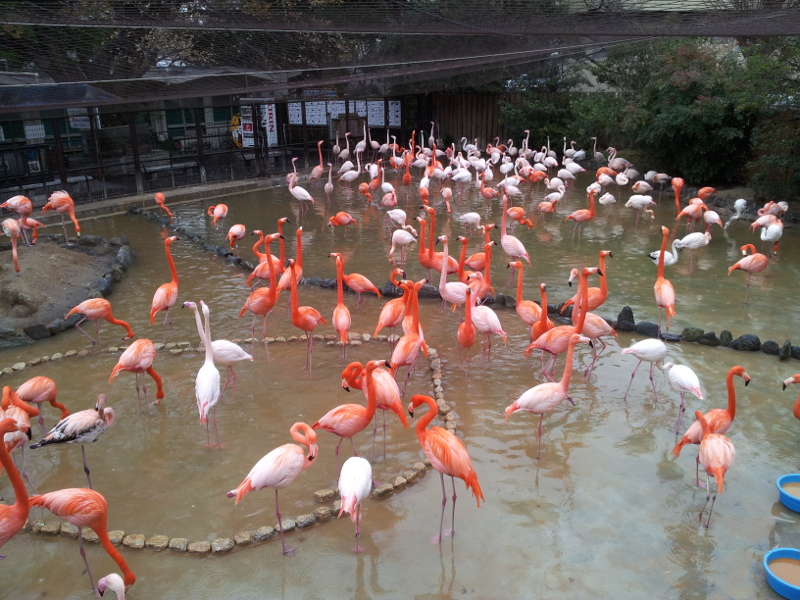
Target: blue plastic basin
[(789, 501), (787, 590)]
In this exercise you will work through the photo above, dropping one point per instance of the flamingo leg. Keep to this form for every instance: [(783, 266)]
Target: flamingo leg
[(266, 345), (227, 379), (437, 539), (215, 427), (625, 397), (41, 422), (97, 329), (253, 335), (358, 548), (308, 353), (452, 530), (680, 413), (653, 382), (166, 318), (85, 466), (336, 452), (85, 560), (138, 395), (286, 551), (747, 287), (539, 451), (23, 471), (66, 241), (355, 453), (374, 434), (384, 434), (697, 471), (78, 325), (711, 510)]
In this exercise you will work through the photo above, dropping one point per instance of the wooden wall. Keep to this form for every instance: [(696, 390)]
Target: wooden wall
[(471, 116)]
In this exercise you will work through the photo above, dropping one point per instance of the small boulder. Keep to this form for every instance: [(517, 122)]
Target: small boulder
[(747, 343), (134, 540), (323, 513), (670, 337), (304, 521), (691, 334), (500, 299), (709, 338), (38, 331), (770, 347), (647, 328), (428, 291), (222, 545), (157, 542), (382, 491), (264, 533), (243, 538), (510, 302), (199, 548), (288, 524), (786, 350), (725, 338)]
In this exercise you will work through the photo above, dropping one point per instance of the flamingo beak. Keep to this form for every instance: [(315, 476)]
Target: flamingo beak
[(784, 385)]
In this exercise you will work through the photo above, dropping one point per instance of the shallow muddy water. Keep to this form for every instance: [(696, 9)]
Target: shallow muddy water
[(606, 512)]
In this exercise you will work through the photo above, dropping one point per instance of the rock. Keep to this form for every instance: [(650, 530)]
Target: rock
[(356, 343), (288, 524), (159, 345), (70, 353), (796, 352), (280, 339), (104, 285), (83, 353), (426, 461), (112, 349), (38, 331), (567, 314), (381, 338), (179, 544), (428, 291), (770, 347), (366, 337), (382, 491), (264, 533), (199, 548), (209, 247), (57, 356), (511, 302), (500, 299), (54, 327), (246, 264), (747, 343), (399, 483), (222, 545), (393, 339), (353, 336), (725, 338), (90, 240), (323, 513), (786, 350), (11, 339), (304, 521), (410, 476), (647, 328), (117, 272), (157, 542), (243, 538), (176, 351), (625, 320), (235, 260), (125, 256), (292, 338), (184, 344), (444, 408), (709, 338), (115, 535), (670, 337), (691, 334), (69, 530), (171, 345), (222, 251), (420, 468), (336, 506), (50, 528), (134, 540), (20, 366)]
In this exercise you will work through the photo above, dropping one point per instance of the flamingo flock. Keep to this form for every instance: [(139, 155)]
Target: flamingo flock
[(378, 379)]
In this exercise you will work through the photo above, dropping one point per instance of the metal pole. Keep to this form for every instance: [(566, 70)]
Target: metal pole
[(96, 143), (59, 153), (257, 141), (137, 166), (198, 128), (305, 134), (264, 141)]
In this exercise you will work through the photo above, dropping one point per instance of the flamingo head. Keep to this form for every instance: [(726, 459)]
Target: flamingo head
[(188, 304), (793, 379)]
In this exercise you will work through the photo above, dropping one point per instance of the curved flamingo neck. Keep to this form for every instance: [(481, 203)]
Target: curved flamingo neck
[(295, 301), (339, 280), (300, 250), (157, 378), (421, 248), (372, 396), (731, 395), (591, 205), (663, 251), (503, 217), (796, 409), (171, 262), (259, 255), (749, 247), (567, 376), (282, 246), (127, 327), (20, 505), (127, 575), (543, 312), (431, 241), (582, 303), (415, 309), (462, 259), (207, 339), (445, 261), (273, 286), (425, 420), (603, 280), (487, 270)]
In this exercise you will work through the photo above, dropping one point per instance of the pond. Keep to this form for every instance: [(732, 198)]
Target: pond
[(606, 511)]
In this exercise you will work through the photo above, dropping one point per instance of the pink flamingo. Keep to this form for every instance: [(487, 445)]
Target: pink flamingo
[(716, 457), (235, 233), (62, 203), (355, 484), (218, 212), (511, 244), (304, 317), (582, 216), (95, 309), (753, 263), (138, 358), (12, 230), (159, 198), (167, 293), (341, 314), (38, 390), (12, 516), (13, 407)]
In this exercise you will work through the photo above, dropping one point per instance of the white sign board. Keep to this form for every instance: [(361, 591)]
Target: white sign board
[(270, 122), (336, 109), (316, 113), (79, 118), (358, 107), (395, 119), (295, 113), (34, 130), (375, 112)]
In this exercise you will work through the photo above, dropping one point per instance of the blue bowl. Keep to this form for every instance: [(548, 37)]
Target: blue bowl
[(789, 501), (779, 586)]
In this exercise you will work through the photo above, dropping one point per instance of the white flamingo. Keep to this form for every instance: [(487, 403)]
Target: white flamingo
[(206, 387), (650, 350), (355, 484), (682, 379)]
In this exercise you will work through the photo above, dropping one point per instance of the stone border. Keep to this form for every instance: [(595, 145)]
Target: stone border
[(137, 541)]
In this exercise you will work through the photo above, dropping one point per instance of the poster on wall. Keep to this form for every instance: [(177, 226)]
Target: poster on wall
[(375, 113), (358, 107), (295, 113), (336, 109), (270, 123), (395, 119), (316, 113), (242, 126)]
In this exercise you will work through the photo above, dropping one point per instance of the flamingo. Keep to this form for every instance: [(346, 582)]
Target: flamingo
[(262, 300), (346, 420), (317, 171), (435, 260), (544, 323), (693, 213), (62, 203), (138, 358), (677, 186), (279, 468), (481, 283), (23, 206), (360, 285), (355, 484), (640, 203), (665, 293), (284, 282), (511, 244), (400, 237), (453, 292), (264, 267), (470, 218), (329, 184), (544, 397), (448, 455), (466, 331), (682, 379), (303, 317), (793, 379), (159, 198), (716, 457), (341, 315), (85, 508), (596, 296), (226, 353), (82, 428), (528, 311), (95, 309), (206, 385), (652, 351), (594, 327), (670, 258), (582, 215), (12, 516), (300, 194), (38, 390), (12, 230), (740, 206), (235, 233), (218, 212), (719, 420), (13, 407), (392, 312), (167, 293), (406, 351), (387, 395), (487, 322), (112, 582), (753, 263), (342, 218)]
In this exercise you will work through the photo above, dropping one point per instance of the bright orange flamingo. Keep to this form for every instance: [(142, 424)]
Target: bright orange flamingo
[(12, 407), (466, 331), (716, 457), (599, 295), (436, 259), (262, 300), (82, 427), (304, 317), (317, 171), (488, 192), (719, 420), (693, 213), (85, 508), (392, 312), (481, 283), (12, 230), (544, 323), (22, 206), (448, 455), (12, 516), (528, 310), (261, 256), (753, 263), (159, 198), (263, 267), (677, 187), (95, 309), (406, 351), (359, 284), (541, 399), (794, 379), (62, 203), (582, 216), (342, 218), (477, 261), (279, 468), (387, 395), (341, 315), (138, 358), (704, 193), (665, 293), (594, 327), (38, 390), (167, 293), (218, 212), (347, 420), (284, 282), (235, 233), (518, 214)]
